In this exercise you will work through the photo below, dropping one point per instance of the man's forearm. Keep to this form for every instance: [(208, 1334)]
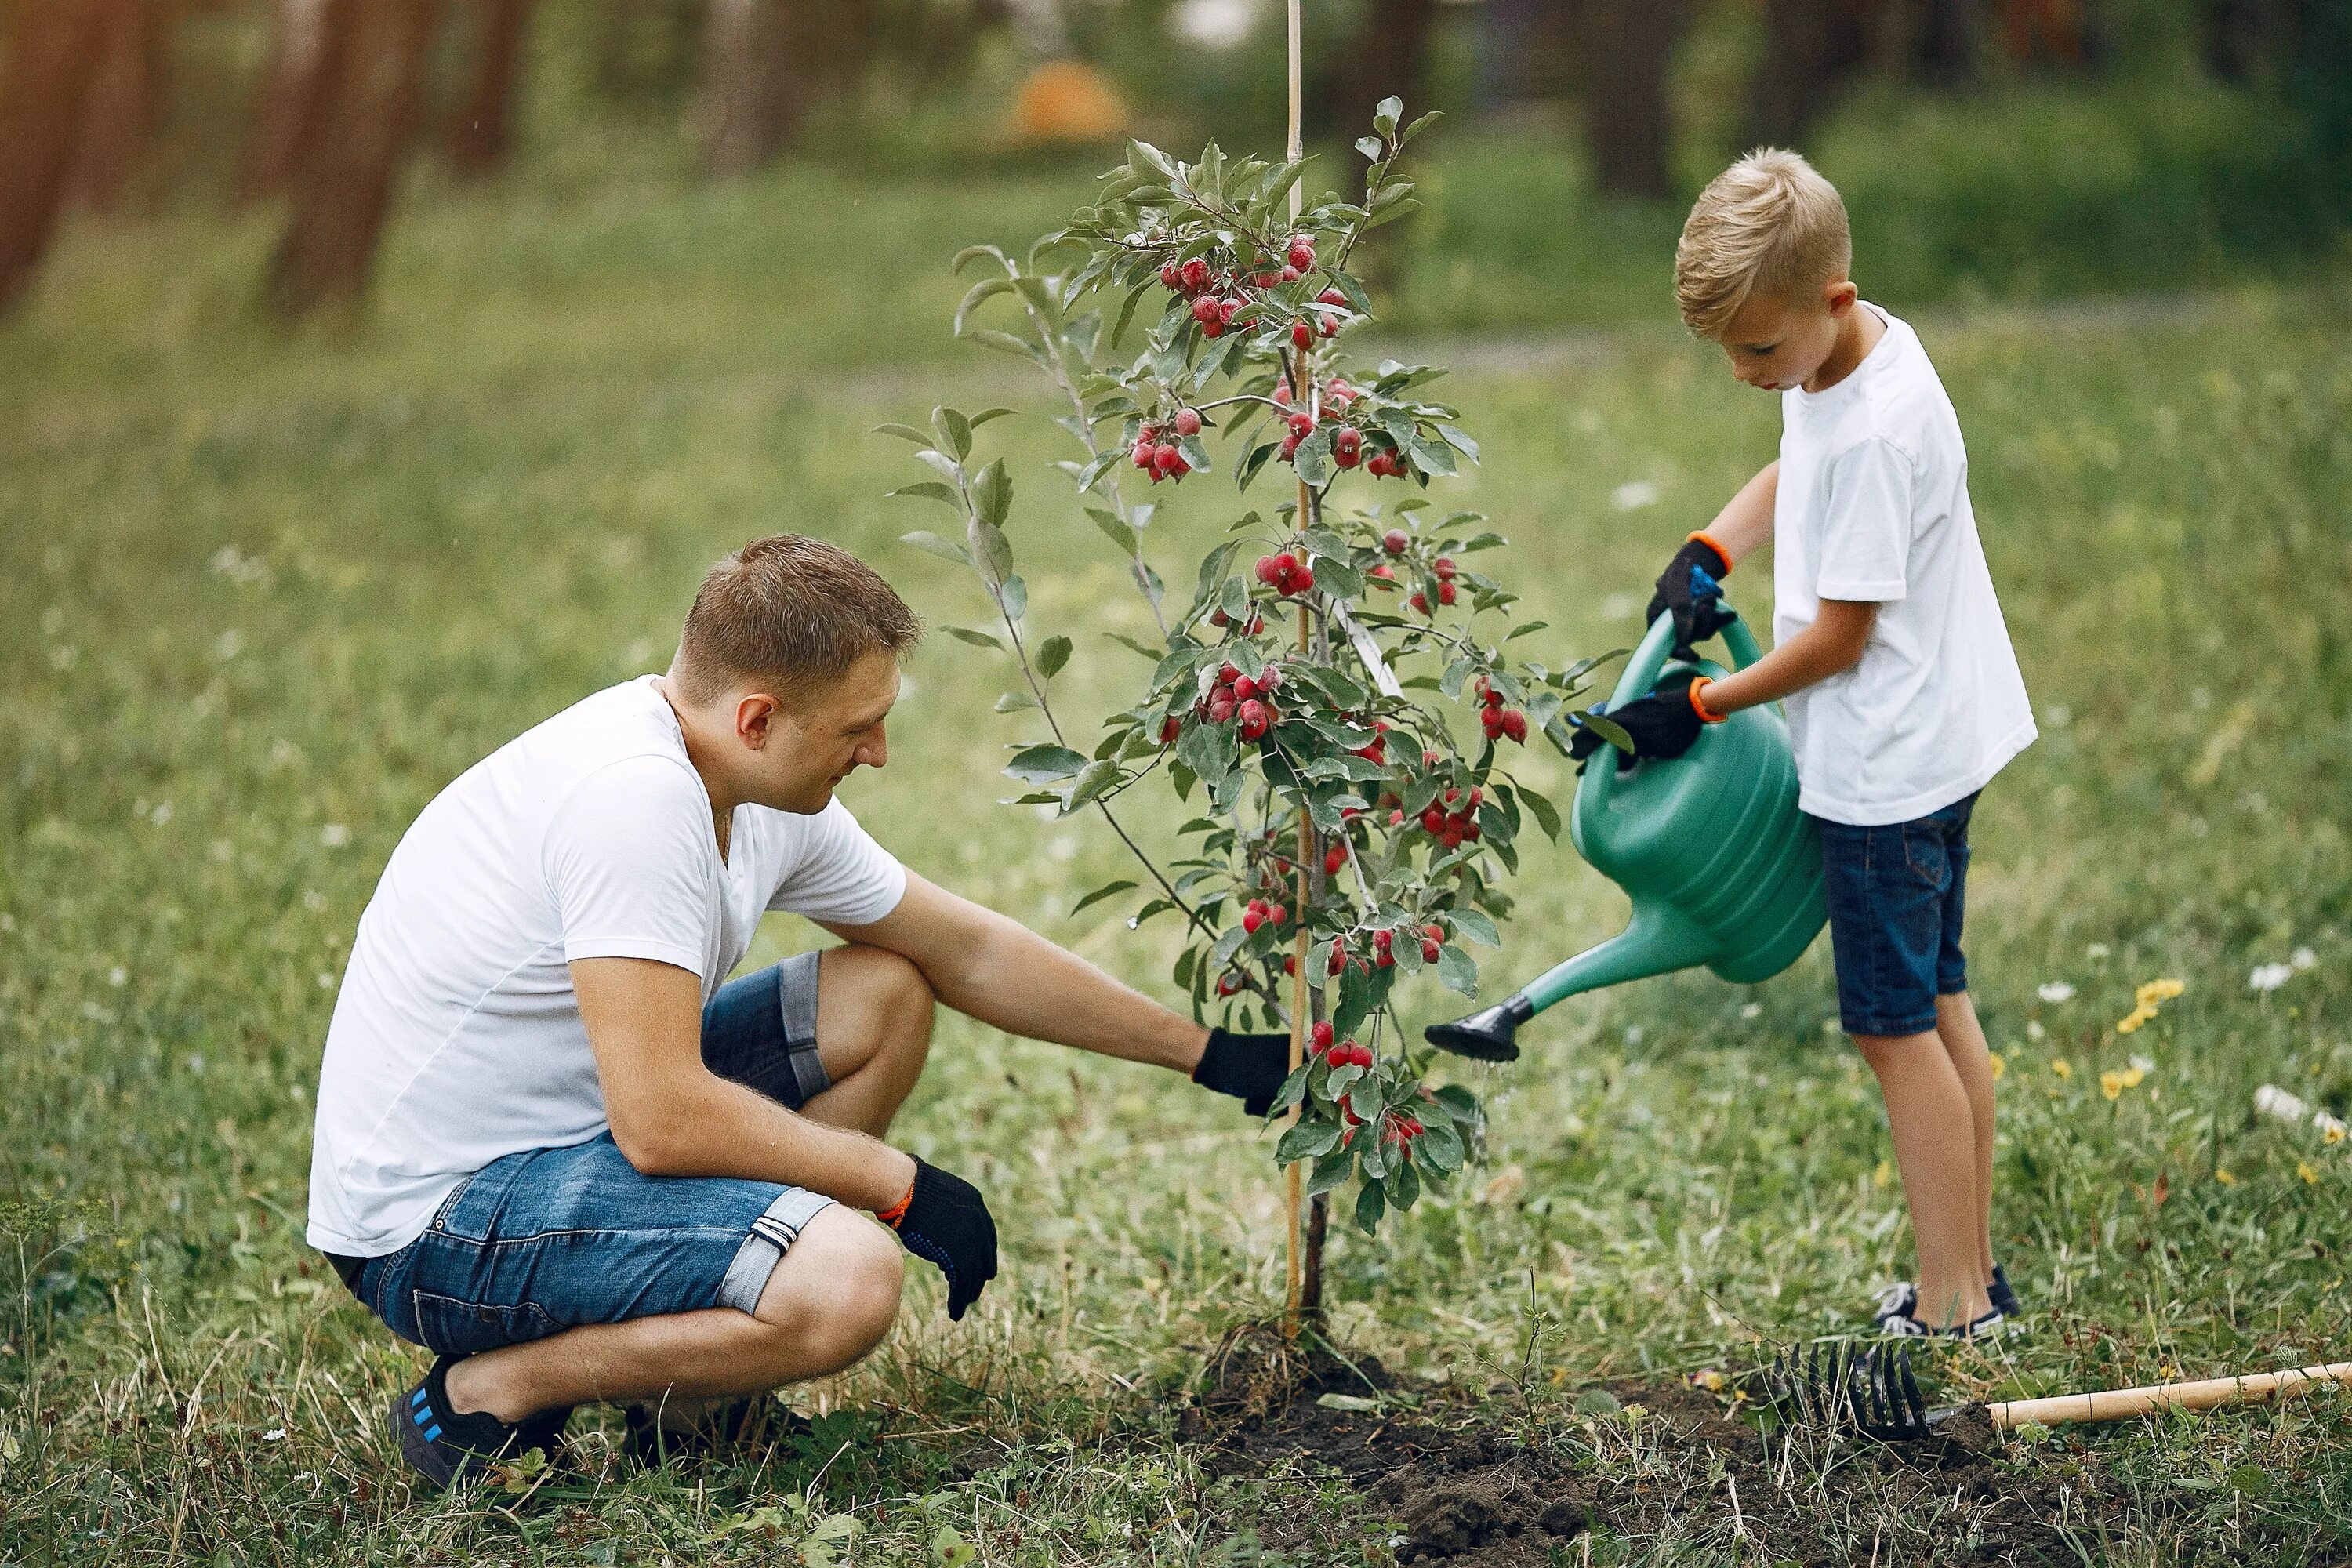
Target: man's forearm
[(1745, 524), (1020, 983), (712, 1127)]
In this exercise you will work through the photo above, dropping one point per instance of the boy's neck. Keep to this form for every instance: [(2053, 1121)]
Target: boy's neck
[(1858, 333)]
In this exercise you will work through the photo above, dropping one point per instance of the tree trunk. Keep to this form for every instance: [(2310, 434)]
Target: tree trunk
[(483, 133), (52, 59), (1812, 50), (291, 98), (1390, 57), (1627, 129), (754, 94), (118, 117), (374, 56)]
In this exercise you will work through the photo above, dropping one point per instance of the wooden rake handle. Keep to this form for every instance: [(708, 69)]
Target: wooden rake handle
[(2120, 1404)]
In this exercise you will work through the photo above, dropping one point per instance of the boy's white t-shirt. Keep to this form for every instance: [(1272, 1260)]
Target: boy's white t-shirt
[(457, 1036), (1873, 505)]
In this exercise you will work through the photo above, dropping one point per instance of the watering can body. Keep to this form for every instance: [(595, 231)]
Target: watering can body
[(1722, 868)]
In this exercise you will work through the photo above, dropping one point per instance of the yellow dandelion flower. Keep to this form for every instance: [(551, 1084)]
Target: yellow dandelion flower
[(2135, 1019), (2310, 1177), (2111, 1084), (2132, 1075), (2157, 990), (2224, 1177), (2000, 1065), (2334, 1133), (1883, 1174), (2062, 1066)]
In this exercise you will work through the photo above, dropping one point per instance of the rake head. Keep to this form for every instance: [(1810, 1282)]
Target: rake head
[(1868, 1387)]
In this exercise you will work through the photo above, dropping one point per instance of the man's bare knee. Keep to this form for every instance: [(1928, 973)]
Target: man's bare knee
[(834, 1295)]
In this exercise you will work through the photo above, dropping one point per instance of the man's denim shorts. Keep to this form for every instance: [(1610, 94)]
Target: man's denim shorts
[(552, 1238), (1896, 893)]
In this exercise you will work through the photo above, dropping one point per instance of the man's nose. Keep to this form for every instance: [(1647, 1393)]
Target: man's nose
[(875, 751)]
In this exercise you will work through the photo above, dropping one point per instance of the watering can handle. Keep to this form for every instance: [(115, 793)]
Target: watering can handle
[(1641, 673)]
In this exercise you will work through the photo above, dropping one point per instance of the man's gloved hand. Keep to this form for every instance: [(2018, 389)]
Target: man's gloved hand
[(946, 1221), (1692, 587), (1663, 725), (1250, 1068)]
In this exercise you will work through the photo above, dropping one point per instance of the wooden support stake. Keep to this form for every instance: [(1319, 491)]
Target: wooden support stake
[(1292, 1184)]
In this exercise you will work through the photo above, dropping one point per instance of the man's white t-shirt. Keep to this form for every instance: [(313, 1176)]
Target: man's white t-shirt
[(1873, 505), (456, 1037)]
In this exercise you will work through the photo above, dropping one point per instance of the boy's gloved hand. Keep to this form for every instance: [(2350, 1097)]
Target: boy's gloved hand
[(946, 1222), (1663, 725), (1250, 1068), (1692, 587)]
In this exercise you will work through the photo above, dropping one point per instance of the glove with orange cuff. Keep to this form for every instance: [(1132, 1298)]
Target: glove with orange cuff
[(1663, 725), (1692, 588)]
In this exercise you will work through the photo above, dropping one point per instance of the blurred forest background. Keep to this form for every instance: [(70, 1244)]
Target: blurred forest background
[(2008, 147)]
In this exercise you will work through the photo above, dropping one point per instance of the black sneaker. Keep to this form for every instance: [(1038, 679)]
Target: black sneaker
[(1903, 1326), (760, 1418), (448, 1449), (2004, 1299)]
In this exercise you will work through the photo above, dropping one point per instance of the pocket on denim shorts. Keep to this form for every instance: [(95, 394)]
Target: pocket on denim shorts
[(450, 1327), (1924, 852)]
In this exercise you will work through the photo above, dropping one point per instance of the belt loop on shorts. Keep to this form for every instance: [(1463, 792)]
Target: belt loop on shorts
[(772, 1234)]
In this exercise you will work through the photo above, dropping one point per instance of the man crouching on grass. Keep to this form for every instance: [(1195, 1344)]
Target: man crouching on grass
[(555, 1150)]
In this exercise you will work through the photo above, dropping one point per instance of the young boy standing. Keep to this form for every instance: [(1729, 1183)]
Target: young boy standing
[(1902, 692)]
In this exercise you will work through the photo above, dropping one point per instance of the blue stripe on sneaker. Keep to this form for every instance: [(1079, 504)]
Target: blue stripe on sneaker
[(420, 1416), (433, 1436), (417, 1397)]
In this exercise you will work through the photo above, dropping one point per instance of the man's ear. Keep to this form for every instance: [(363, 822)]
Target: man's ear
[(755, 719)]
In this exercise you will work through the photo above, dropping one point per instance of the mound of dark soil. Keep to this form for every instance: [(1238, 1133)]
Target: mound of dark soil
[(1494, 1486)]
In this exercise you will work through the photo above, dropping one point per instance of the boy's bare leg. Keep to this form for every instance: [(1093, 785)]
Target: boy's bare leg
[(1928, 1115), (1964, 1043), (831, 1300)]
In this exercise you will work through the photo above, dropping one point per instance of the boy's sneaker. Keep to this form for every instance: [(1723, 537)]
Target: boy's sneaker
[(448, 1449), (1902, 1300), (2004, 1299), (761, 1418), (1903, 1326)]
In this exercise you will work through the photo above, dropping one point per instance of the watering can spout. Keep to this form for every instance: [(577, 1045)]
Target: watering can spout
[(1660, 939)]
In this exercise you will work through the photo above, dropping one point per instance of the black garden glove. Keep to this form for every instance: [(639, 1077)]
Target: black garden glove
[(1663, 725), (1692, 587), (1250, 1068), (947, 1223)]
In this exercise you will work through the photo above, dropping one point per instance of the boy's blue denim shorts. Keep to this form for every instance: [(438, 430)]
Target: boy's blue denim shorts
[(549, 1239), (1896, 893)]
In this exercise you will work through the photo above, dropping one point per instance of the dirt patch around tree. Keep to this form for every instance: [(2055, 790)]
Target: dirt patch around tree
[(1510, 1483)]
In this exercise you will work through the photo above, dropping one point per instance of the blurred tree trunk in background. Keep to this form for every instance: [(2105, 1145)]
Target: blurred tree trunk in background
[(755, 92), (483, 133), (1812, 50), (120, 108), (1628, 128), (1391, 55), (52, 59), (288, 102), (372, 59)]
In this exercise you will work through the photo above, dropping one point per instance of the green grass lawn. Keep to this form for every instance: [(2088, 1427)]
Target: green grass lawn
[(259, 598)]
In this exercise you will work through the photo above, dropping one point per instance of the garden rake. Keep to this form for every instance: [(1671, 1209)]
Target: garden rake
[(1871, 1387)]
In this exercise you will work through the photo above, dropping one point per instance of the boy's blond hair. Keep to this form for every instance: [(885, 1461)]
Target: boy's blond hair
[(1769, 225)]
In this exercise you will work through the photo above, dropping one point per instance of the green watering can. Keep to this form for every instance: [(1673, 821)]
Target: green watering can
[(1723, 868)]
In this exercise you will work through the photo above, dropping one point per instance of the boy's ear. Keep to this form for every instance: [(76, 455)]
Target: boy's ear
[(1839, 296)]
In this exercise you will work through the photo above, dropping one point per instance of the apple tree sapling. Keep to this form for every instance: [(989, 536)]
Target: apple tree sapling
[(1343, 828)]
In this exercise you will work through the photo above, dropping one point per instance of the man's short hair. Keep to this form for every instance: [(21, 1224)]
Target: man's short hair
[(1769, 224), (789, 609)]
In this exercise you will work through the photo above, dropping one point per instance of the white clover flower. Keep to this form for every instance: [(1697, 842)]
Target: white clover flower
[(2054, 991), (334, 835), (2270, 976), (1634, 495), (2303, 958)]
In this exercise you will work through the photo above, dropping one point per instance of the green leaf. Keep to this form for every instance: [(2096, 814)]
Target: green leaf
[(1052, 655), (1044, 763), (986, 289), (1306, 1141), (1371, 147), (1458, 1102), (1386, 113), (1016, 598), (1416, 128), (1370, 1205), (929, 490), (904, 433), (954, 431), (1461, 442), (1475, 926), (993, 551), (1110, 889), (1005, 343), (1547, 814), (1093, 779), (1608, 729), (972, 253), (1439, 1144), (1404, 1186), (1329, 1172), (1014, 701), (977, 639), (992, 494), (1207, 749), (985, 415), (945, 549), (1458, 970)]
